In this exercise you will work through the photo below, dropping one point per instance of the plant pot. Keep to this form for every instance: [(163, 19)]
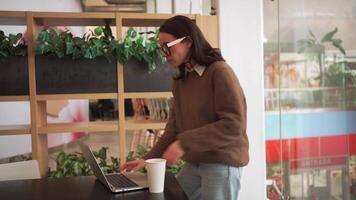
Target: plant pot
[(14, 76), (137, 78), (68, 76)]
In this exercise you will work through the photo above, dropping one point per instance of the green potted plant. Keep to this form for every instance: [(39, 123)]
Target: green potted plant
[(75, 164), (88, 64), (69, 64), (315, 49), (334, 73), (13, 65), (141, 151), (142, 55)]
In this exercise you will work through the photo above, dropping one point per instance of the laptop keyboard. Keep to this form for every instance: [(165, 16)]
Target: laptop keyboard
[(120, 181)]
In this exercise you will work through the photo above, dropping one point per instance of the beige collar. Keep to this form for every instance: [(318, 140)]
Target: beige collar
[(198, 69)]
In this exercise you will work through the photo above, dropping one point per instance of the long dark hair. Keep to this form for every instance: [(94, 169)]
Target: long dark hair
[(201, 51)]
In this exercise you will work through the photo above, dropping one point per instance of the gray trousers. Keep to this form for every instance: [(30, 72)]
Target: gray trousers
[(210, 181)]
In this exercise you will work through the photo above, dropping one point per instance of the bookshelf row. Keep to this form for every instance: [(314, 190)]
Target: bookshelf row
[(101, 126)]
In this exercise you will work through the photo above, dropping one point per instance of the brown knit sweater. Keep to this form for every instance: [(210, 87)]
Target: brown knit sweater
[(208, 117)]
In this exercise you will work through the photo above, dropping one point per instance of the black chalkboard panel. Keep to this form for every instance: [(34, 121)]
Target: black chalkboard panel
[(68, 76), (14, 76), (137, 78)]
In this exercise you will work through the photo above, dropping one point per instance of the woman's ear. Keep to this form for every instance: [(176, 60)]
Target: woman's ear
[(189, 42)]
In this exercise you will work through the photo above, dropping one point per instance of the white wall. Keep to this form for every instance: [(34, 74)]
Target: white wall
[(241, 31), (14, 113)]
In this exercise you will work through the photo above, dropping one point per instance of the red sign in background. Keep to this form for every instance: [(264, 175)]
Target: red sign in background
[(317, 163), (311, 148)]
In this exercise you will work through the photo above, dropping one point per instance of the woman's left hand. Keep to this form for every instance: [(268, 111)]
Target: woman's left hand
[(173, 153)]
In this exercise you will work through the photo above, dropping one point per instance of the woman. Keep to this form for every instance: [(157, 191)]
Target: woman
[(207, 122)]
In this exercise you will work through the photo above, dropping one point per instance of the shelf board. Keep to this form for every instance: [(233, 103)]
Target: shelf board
[(13, 18), (74, 19), (106, 126), (146, 19), (144, 124), (14, 98), (13, 14), (44, 97), (15, 130), (147, 95)]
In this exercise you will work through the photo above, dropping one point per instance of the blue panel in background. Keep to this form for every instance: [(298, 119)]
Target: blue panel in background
[(310, 124)]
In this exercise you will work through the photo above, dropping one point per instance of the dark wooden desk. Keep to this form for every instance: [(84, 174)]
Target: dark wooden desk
[(82, 188)]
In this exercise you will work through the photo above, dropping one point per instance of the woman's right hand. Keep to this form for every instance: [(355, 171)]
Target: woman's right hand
[(134, 165)]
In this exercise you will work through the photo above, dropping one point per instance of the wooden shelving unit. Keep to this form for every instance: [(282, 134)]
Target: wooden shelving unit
[(146, 20), (39, 128), (73, 19), (146, 124), (15, 130), (48, 97), (147, 95), (14, 98), (17, 19), (81, 126)]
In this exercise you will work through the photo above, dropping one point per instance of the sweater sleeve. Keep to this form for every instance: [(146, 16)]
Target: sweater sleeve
[(169, 136), (230, 111)]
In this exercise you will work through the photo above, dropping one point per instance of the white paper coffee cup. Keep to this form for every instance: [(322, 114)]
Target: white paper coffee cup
[(156, 169)]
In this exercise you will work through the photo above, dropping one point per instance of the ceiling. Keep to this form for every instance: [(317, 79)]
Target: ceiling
[(297, 18)]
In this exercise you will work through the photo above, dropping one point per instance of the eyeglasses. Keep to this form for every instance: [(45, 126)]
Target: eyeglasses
[(166, 47)]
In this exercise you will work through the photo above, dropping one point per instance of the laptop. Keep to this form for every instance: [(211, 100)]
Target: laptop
[(115, 182)]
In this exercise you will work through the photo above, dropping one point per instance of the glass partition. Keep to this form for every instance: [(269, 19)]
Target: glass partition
[(310, 99)]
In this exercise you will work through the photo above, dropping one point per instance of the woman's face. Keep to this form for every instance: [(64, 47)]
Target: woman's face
[(178, 52)]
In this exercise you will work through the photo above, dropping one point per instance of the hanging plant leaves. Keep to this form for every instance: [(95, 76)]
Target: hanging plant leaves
[(139, 40), (329, 36), (131, 33), (99, 42), (75, 164), (108, 32), (12, 45), (98, 31), (337, 43)]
